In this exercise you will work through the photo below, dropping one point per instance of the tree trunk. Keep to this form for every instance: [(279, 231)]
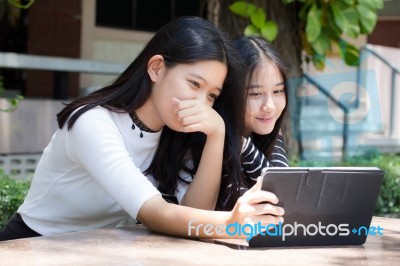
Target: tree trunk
[(288, 43)]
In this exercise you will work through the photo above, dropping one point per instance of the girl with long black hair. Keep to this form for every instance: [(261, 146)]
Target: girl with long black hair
[(91, 174), (266, 106)]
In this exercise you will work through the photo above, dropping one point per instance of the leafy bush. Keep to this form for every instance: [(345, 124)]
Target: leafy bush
[(13, 102), (12, 194), (389, 197)]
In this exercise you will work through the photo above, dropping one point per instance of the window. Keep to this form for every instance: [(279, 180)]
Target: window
[(145, 15)]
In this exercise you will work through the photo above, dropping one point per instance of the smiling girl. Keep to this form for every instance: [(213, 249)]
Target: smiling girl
[(266, 108)]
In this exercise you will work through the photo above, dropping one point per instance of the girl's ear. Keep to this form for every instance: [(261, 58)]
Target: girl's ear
[(155, 66)]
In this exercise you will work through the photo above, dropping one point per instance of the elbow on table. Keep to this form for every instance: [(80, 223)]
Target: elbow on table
[(163, 217), (154, 213)]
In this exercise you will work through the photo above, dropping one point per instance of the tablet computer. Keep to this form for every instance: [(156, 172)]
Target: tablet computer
[(323, 206)]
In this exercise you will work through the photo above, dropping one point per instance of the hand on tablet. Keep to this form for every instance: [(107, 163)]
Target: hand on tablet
[(257, 205)]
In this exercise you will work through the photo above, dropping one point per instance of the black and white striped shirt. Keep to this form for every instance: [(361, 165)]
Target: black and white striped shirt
[(254, 161)]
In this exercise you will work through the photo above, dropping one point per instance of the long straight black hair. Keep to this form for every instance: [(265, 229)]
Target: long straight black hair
[(186, 40), (256, 50), (182, 151)]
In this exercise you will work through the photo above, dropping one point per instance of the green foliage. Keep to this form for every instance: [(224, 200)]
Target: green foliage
[(14, 102), (324, 23), (258, 24), (12, 194), (20, 4), (389, 197)]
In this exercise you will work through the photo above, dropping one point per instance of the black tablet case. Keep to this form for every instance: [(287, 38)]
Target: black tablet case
[(345, 195)]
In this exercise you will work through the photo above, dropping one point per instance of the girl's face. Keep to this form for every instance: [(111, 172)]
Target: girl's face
[(202, 81), (265, 99)]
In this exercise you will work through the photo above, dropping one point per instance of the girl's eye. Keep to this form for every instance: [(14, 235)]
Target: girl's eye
[(254, 94), (279, 91), (196, 84), (213, 96)]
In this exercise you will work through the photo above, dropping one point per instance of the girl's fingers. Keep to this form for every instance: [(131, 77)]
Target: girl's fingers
[(200, 119), (264, 219), (184, 104), (181, 114), (201, 126), (257, 186), (191, 116), (198, 127), (258, 206), (195, 116), (254, 197), (175, 100), (261, 209)]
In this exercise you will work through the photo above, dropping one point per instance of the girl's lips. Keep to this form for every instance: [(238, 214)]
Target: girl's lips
[(265, 119)]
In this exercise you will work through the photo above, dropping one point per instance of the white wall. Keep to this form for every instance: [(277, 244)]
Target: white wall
[(384, 77), (107, 44), (30, 127)]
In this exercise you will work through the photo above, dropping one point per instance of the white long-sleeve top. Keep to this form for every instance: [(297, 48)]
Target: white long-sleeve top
[(91, 176)]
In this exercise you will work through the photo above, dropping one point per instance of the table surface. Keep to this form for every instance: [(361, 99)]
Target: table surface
[(135, 245)]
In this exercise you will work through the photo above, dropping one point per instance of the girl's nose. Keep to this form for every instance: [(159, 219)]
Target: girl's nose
[(203, 97), (268, 105)]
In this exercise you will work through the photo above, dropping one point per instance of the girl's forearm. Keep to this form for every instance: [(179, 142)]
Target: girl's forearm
[(162, 217), (203, 191), (255, 207)]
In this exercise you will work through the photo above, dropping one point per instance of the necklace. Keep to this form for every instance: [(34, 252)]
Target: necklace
[(142, 126)]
